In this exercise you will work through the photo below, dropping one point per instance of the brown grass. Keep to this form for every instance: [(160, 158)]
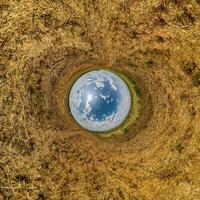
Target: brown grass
[(157, 42)]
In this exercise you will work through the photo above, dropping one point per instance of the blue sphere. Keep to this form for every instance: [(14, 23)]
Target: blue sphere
[(99, 100)]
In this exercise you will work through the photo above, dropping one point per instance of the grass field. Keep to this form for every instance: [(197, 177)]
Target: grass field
[(44, 154)]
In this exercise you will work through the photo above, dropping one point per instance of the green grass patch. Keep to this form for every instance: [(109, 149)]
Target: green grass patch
[(149, 63), (196, 79)]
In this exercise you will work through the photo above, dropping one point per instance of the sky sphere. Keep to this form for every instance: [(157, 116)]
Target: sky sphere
[(99, 100)]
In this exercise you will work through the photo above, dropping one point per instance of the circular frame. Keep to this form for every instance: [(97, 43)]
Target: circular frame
[(133, 111)]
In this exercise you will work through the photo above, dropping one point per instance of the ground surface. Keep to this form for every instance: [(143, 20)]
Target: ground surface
[(155, 42)]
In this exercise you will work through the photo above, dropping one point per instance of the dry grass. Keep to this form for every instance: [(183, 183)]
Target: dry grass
[(156, 42)]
